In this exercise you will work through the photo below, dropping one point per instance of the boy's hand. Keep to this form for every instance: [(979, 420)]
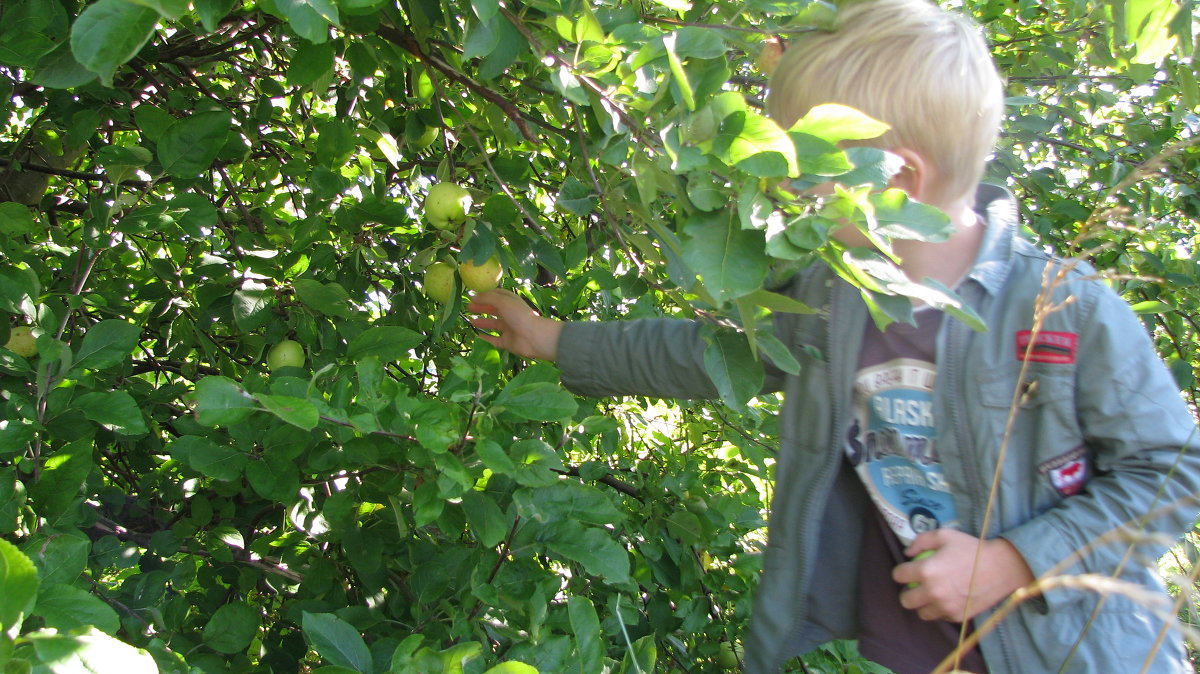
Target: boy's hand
[(518, 328), (943, 578)]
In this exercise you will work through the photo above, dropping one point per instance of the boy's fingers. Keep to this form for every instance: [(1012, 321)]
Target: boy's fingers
[(486, 323)]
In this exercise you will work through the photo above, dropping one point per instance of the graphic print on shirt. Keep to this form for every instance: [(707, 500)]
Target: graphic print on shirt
[(892, 445)]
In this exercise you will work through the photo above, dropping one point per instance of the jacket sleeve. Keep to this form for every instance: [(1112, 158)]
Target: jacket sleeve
[(654, 357), (1145, 450)]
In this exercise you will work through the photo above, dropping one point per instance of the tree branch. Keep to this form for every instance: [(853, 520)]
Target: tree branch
[(409, 43)]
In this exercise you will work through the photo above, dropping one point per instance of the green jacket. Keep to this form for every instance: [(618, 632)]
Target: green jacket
[(1093, 380)]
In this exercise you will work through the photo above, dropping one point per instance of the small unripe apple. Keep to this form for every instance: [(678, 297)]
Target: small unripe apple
[(426, 138), (22, 342), (288, 353), (480, 278), (922, 555), (726, 657), (439, 282), (701, 126), (446, 205), (768, 58)]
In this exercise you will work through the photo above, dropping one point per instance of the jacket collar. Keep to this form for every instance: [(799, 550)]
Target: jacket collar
[(998, 208)]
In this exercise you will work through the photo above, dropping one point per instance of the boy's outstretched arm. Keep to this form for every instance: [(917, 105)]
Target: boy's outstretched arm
[(517, 327)]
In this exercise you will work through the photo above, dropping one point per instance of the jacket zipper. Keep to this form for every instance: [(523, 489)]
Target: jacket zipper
[(954, 346)]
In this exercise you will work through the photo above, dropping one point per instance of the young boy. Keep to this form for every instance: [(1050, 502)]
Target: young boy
[(892, 441)]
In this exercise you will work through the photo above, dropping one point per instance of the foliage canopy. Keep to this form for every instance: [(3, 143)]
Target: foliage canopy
[(186, 183)]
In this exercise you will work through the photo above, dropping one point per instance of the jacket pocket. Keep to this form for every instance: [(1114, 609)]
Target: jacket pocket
[(1044, 455)]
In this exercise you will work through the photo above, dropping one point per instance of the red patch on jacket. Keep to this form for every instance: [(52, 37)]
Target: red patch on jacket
[(1067, 472), (1046, 346)]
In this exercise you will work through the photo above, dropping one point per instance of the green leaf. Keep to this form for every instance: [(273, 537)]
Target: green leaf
[(539, 401), (567, 501), (231, 628), (115, 410), (337, 641), (216, 461), (642, 657), (731, 365), (1148, 29), (1152, 307), (110, 32), (63, 477), (576, 198), (295, 411), (330, 299), (386, 342), (221, 402), (15, 437), (700, 43), (212, 11), (588, 637), (310, 18), (482, 38), (106, 344), (190, 145), (756, 145), (678, 75), (60, 557), (31, 29), (60, 70), (252, 307), (706, 192), (494, 457), (18, 588), (68, 608), (777, 353), (485, 9), (310, 64), (730, 260), (93, 652), (834, 123), (485, 518), (169, 9), (900, 217), (594, 548), (779, 303), (16, 219)]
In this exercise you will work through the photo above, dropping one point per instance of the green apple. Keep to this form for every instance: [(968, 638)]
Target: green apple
[(701, 126), (439, 282), (426, 138), (726, 657), (446, 205), (922, 555), (480, 278), (22, 342), (288, 353)]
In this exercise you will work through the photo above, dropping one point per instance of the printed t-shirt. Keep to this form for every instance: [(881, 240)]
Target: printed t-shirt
[(892, 445)]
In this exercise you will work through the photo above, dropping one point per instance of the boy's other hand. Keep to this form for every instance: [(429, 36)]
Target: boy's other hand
[(944, 578), (517, 327)]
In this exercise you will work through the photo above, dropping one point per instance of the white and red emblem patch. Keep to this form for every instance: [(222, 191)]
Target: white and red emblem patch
[(1067, 472)]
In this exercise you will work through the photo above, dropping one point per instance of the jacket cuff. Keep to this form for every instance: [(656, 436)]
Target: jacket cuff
[(576, 344), (1044, 547)]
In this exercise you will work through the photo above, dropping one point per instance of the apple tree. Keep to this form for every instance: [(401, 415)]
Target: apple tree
[(244, 425)]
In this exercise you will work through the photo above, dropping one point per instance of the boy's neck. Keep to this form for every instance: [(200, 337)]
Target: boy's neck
[(947, 261)]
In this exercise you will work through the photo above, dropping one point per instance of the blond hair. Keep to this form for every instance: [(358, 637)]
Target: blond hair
[(925, 71)]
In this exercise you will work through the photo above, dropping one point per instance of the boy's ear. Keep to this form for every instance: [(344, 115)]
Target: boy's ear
[(915, 177)]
